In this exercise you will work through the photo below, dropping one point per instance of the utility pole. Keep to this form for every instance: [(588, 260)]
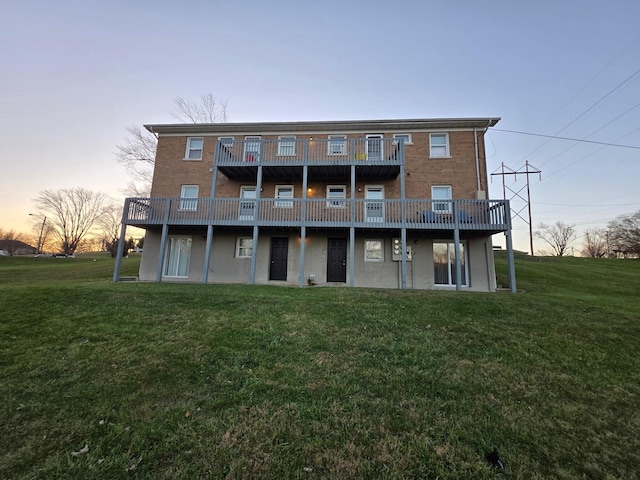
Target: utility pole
[(39, 244), (518, 194)]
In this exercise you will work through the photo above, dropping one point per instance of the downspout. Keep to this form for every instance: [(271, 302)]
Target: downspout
[(475, 143)]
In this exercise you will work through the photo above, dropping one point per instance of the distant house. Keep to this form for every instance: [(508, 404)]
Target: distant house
[(374, 203), (15, 247)]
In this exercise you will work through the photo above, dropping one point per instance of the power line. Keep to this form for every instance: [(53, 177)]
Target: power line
[(635, 147), (588, 110)]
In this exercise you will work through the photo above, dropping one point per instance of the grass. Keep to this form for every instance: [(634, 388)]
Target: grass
[(168, 381)]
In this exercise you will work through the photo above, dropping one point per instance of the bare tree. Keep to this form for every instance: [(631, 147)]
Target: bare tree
[(558, 236), (624, 234), (595, 243), (206, 110), (72, 213), (138, 153), (109, 225)]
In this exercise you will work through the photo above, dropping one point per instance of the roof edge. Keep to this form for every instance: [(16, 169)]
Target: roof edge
[(329, 126)]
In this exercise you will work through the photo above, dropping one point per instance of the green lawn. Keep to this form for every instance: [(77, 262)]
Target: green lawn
[(165, 381)]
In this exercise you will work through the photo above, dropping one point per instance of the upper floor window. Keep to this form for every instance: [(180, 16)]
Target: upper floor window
[(194, 148), (404, 136), (226, 141), (439, 145), (287, 145), (337, 145), (441, 199)]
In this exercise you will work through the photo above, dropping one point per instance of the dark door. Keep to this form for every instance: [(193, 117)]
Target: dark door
[(337, 260), (279, 254)]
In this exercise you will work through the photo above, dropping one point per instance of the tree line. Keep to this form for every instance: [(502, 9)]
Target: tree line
[(621, 238)]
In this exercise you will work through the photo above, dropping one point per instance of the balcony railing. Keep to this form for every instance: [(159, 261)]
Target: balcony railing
[(489, 215), (288, 151)]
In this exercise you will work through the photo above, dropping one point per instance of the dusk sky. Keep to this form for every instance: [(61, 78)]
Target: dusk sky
[(74, 74)]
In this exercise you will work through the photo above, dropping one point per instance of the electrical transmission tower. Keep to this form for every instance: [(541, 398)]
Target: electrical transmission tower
[(518, 194)]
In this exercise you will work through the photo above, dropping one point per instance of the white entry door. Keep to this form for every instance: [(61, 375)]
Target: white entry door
[(374, 206), (374, 147), (247, 203)]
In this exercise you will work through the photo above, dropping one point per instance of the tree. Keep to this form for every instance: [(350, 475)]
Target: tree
[(13, 242), (138, 152), (624, 234), (72, 213), (558, 236), (109, 225), (596, 243), (206, 110)]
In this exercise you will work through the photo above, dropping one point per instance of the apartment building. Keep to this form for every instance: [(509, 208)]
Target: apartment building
[(375, 203)]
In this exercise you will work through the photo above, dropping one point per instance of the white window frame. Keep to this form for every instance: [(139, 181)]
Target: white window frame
[(252, 154), (286, 145), (367, 250), (284, 202), (438, 202), (337, 202), (336, 140), (408, 141), (189, 203), (172, 249), (451, 263), (191, 151), (242, 251), (226, 141), (432, 147)]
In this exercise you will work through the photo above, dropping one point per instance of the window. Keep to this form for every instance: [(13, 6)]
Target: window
[(336, 195), (337, 145), (244, 247), (286, 146), (284, 191), (439, 145), (194, 148), (443, 194), (189, 192), (252, 146), (405, 136), (226, 141), (374, 250), (444, 263), (176, 260)]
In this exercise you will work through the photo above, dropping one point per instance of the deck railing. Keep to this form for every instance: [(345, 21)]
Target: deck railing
[(418, 213), (295, 151)]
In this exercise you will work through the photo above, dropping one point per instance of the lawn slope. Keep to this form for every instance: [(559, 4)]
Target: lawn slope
[(164, 381)]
